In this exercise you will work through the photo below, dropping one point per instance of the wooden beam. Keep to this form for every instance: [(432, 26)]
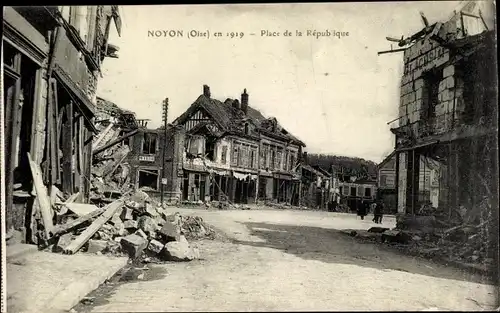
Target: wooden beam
[(482, 19), (101, 136), (52, 129), (41, 196), (114, 142), (391, 51), (48, 139), (81, 126), (57, 132), (79, 241), (62, 229), (67, 142)]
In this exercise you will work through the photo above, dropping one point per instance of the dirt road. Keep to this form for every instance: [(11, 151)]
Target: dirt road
[(295, 260)]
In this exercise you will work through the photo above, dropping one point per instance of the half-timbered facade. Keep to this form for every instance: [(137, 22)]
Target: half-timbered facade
[(231, 149)]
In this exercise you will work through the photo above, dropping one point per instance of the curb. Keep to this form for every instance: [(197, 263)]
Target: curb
[(70, 296), (21, 249)]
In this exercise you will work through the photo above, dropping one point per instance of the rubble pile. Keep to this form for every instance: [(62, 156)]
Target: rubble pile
[(464, 238), (134, 225)]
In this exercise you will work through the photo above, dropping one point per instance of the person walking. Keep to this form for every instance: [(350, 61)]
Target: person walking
[(379, 212), (362, 210)]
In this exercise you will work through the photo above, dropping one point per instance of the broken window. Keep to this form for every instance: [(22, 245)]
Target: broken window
[(286, 162), (383, 180), (431, 94), (273, 159), (353, 191), (210, 149), (278, 159), (252, 158), (197, 180), (234, 160), (149, 143), (224, 154), (149, 179), (263, 156), (368, 192)]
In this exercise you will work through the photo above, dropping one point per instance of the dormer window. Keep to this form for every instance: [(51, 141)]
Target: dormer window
[(247, 129)]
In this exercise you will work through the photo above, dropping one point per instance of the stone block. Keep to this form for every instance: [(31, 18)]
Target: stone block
[(155, 246), (62, 242), (131, 225), (147, 224), (133, 245), (126, 214), (419, 83), (170, 232), (449, 71), (120, 229), (141, 233), (177, 251), (441, 107), (419, 93), (442, 85), (160, 221), (151, 210), (406, 89), (97, 246), (450, 82), (377, 229), (115, 219)]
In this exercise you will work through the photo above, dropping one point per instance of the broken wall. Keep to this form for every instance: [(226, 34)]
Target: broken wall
[(174, 163)]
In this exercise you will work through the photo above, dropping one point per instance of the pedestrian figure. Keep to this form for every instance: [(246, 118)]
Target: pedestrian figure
[(379, 212), (335, 204), (362, 210)]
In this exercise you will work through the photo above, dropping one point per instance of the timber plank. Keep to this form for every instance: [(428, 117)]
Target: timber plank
[(67, 142), (79, 241), (62, 229), (41, 196)]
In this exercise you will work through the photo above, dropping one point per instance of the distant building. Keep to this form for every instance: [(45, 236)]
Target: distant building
[(355, 191), (232, 152), (386, 182)]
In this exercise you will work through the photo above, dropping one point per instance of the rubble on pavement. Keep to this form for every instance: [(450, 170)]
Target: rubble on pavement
[(134, 225), (461, 239)]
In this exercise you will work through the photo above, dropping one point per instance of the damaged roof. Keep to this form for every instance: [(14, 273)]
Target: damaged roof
[(231, 119), (125, 117)]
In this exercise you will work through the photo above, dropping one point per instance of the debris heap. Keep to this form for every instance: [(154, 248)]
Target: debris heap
[(134, 225), (463, 238)]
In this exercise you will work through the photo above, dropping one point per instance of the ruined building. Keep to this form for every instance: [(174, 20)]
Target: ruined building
[(52, 58), (446, 140), (233, 153)]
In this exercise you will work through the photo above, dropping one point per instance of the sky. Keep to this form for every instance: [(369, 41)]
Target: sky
[(335, 94)]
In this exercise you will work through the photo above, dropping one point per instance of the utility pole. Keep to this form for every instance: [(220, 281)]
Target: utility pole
[(165, 115)]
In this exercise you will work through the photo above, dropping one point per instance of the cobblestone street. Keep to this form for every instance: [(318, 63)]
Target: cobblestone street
[(294, 260)]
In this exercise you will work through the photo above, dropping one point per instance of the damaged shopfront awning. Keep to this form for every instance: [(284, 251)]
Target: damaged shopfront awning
[(244, 176), (283, 176), (219, 172)]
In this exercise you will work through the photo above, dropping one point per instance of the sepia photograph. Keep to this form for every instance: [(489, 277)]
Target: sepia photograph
[(324, 156)]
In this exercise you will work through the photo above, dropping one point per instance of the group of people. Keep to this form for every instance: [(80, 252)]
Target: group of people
[(377, 208)]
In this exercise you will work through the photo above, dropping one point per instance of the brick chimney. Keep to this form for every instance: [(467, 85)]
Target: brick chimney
[(244, 101), (206, 91)]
